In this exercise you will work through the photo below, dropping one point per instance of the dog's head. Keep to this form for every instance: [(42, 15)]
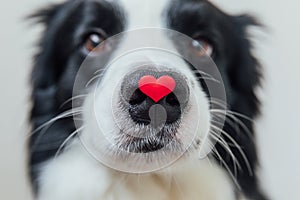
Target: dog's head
[(142, 81)]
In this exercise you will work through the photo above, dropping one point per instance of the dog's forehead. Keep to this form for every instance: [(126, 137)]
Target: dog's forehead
[(144, 13)]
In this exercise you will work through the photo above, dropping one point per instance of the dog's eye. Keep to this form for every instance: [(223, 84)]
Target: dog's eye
[(94, 42), (202, 47)]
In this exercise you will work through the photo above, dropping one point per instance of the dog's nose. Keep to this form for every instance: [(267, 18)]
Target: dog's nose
[(165, 91)]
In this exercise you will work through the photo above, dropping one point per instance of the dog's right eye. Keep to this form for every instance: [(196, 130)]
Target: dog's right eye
[(94, 42)]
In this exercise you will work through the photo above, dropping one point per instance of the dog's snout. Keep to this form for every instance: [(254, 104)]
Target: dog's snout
[(142, 89)]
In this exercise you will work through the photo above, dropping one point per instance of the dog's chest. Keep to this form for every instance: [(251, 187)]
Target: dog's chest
[(75, 175)]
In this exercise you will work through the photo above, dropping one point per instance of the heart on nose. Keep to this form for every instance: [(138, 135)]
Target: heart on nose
[(156, 89)]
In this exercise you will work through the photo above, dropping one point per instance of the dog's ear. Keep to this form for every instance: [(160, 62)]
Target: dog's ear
[(244, 71), (49, 60), (244, 68), (47, 66), (46, 60), (45, 15), (43, 72)]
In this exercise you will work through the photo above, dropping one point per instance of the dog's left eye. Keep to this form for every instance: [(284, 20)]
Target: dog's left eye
[(94, 42), (202, 47)]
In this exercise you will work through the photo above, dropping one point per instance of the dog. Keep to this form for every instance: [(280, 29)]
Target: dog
[(114, 119)]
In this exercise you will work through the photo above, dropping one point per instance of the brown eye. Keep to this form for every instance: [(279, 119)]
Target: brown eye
[(202, 47), (94, 42)]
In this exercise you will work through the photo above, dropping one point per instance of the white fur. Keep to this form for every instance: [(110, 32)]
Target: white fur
[(142, 14), (76, 175)]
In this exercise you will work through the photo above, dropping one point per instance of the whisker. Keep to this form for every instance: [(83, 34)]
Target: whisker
[(233, 125), (68, 113), (99, 71), (219, 102), (202, 73), (237, 146), (231, 116), (231, 112), (93, 79), (235, 162), (67, 140), (71, 99), (231, 119), (223, 143), (233, 176), (209, 79), (43, 129)]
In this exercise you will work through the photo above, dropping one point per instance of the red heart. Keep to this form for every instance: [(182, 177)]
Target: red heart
[(156, 89)]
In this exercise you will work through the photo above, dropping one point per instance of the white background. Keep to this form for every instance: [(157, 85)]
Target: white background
[(278, 131)]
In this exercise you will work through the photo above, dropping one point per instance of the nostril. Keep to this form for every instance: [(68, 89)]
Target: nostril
[(137, 97), (172, 100)]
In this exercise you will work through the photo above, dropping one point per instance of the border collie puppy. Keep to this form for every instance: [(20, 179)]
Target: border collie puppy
[(126, 104)]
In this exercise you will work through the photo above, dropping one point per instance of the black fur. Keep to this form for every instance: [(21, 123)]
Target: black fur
[(60, 56), (55, 68), (240, 73)]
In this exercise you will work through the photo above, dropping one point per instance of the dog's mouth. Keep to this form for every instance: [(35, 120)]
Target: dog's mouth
[(150, 140)]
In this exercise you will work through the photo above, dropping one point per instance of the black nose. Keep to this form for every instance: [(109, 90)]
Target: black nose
[(143, 109)]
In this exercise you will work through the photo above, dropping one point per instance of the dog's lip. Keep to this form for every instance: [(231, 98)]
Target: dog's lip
[(149, 144), (145, 147)]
